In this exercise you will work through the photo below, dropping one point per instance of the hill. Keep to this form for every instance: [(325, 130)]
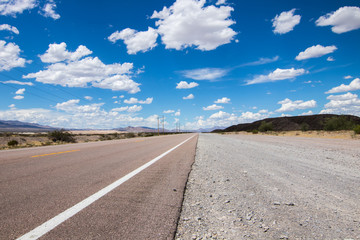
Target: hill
[(17, 126), (312, 122)]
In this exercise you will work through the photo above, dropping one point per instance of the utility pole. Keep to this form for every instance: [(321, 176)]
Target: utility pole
[(158, 126), (163, 123)]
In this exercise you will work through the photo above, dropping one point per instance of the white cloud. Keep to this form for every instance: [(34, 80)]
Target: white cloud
[(78, 72), (9, 28), (18, 82), (88, 98), (261, 61), (185, 85), (330, 59), (12, 106), (188, 97), (58, 53), (120, 109), (131, 109), (212, 107), (315, 52), (134, 108), (18, 97), (307, 113), (343, 20), (82, 117), (277, 75), (205, 73), (12, 7), (225, 119), (189, 23), (168, 111), (136, 41), (353, 86), (348, 77), (49, 10), (135, 100), (343, 104), (223, 100), (288, 106), (221, 2), (178, 113), (20, 91), (285, 22), (10, 56)]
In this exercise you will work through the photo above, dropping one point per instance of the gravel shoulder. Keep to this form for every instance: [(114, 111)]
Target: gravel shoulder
[(269, 187)]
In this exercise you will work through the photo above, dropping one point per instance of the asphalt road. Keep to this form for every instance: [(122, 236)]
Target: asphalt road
[(38, 184)]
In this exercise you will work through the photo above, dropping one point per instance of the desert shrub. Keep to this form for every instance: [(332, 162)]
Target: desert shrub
[(255, 131), (357, 129), (13, 143), (130, 135), (264, 127), (304, 127), (61, 136), (338, 123)]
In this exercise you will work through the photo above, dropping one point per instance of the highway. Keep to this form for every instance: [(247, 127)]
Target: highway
[(120, 189)]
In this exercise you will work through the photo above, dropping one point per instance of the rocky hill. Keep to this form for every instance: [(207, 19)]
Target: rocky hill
[(311, 122), (17, 126)]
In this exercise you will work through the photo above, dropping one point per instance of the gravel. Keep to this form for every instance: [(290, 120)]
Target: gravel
[(268, 187)]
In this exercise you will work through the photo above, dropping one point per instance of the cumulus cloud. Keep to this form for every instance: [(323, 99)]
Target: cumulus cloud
[(277, 75), (188, 97), (18, 97), (288, 106), (212, 107), (74, 115), (136, 41), (13, 7), (223, 100), (10, 56), (20, 91), (189, 23), (186, 85), (9, 28), (135, 100), (348, 77), (315, 52), (285, 22), (307, 113), (77, 72), (343, 104), (18, 82), (169, 111), (88, 98), (220, 2), (205, 73), (224, 119), (49, 10), (58, 53), (330, 59), (353, 86), (178, 113), (343, 20)]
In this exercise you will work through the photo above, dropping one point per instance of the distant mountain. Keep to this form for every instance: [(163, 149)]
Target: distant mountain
[(209, 129), (17, 126), (313, 122), (137, 129)]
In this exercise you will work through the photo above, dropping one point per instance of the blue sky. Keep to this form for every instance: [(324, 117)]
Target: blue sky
[(85, 64)]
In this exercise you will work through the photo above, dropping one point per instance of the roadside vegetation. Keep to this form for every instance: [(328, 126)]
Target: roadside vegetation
[(21, 140)]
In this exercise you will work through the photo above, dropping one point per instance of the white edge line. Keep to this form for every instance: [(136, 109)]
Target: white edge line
[(55, 221)]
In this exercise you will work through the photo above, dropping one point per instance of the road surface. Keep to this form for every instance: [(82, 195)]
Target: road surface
[(39, 184)]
